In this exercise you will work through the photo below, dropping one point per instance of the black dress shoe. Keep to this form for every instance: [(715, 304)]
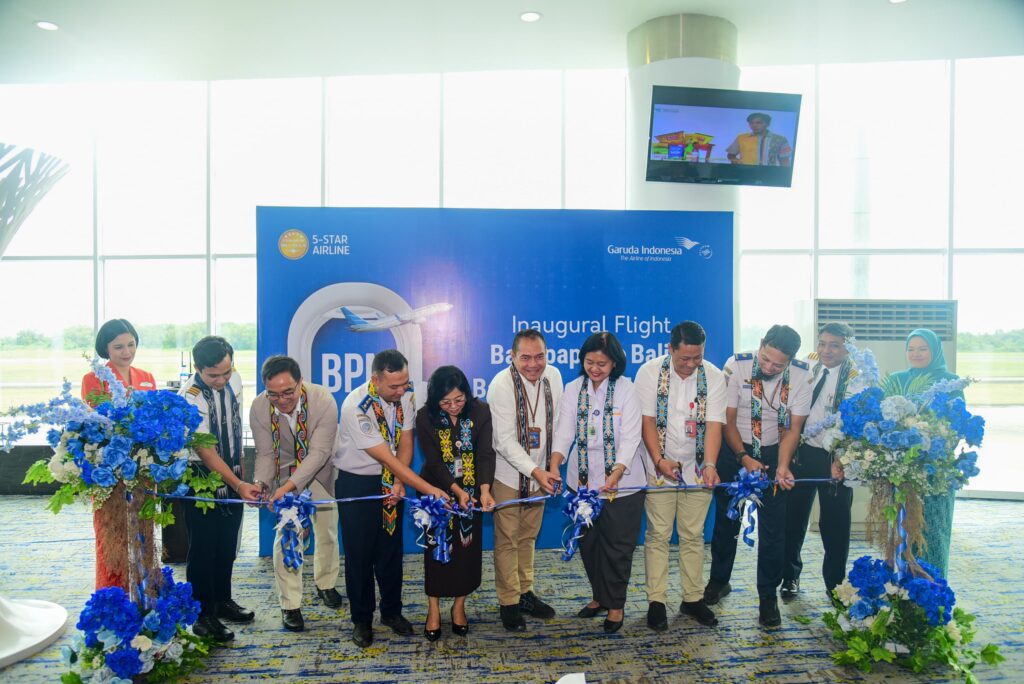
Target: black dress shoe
[(657, 618), (330, 597), (790, 589), (210, 626), (461, 630), (612, 626), (292, 619), (699, 611), (398, 624), (768, 612), (531, 605), (589, 612), (362, 634), (512, 619), (232, 612), (715, 592)]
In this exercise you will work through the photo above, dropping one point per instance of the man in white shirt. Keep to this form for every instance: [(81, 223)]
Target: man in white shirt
[(216, 390), (294, 425), (375, 446), (524, 407), (830, 378), (769, 399), (683, 399)]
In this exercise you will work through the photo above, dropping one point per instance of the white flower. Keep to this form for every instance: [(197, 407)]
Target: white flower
[(421, 518), (143, 457), (97, 662), (868, 621), (142, 642), (847, 593), (891, 589), (844, 623), (954, 632), (174, 651)]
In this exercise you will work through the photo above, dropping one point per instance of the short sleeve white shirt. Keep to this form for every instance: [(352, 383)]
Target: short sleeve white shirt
[(358, 430), (740, 393)]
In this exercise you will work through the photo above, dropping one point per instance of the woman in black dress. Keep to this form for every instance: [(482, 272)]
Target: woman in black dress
[(454, 434)]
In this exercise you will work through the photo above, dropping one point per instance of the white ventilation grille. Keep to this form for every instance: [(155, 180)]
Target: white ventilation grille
[(875, 320)]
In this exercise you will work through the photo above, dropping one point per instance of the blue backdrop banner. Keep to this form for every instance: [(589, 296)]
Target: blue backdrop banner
[(453, 286)]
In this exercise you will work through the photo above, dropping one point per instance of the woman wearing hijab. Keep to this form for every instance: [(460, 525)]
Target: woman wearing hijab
[(927, 366)]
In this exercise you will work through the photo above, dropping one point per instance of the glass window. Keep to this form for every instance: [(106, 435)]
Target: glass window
[(234, 312), (264, 150), (882, 276), (990, 347), (774, 289), (781, 218), (165, 299), (503, 139), (595, 139), (43, 335), (884, 155), (58, 121), (384, 141), (988, 165), (151, 169)]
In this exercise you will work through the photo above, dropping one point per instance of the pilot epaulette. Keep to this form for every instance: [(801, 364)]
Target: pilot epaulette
[(813, 356), (366, 403), (800, 364), (194, 391), (744, 356)]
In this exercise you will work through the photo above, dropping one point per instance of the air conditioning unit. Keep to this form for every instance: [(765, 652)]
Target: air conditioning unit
[(882, 325)]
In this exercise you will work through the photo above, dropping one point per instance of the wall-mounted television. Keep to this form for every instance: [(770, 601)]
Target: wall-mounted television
[(728, 137)]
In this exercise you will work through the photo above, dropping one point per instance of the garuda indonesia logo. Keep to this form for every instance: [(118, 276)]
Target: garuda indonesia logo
[(688, 244)]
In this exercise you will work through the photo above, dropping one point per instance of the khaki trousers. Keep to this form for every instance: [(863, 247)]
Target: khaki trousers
[(515, 535), (326, 556), (687, 509)]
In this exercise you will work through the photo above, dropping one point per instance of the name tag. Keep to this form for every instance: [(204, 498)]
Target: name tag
[(458, 467), (785, 422), (533, 437), (746, 386), (691, 429)]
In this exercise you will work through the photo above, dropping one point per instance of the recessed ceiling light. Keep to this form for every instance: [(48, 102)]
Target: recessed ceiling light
[(897, 2), (530, 17), (47, 25)]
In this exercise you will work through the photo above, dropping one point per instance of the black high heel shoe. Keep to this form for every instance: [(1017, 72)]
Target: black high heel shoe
[(432, 634), (461, 630)]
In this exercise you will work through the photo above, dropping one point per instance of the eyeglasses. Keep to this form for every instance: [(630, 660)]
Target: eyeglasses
[(449, 403), (287, 394)]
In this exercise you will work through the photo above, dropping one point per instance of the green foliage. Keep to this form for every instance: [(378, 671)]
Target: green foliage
[(999, 341), (203, 439), (79, 337), (196, 650), (64, 496), (38, 473), (204, 485), (70, 678), (802, 619)]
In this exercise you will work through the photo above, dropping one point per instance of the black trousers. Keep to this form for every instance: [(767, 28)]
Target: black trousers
[(370, 552), (835, 502), (607, 549), (771, 526), (212, 540)]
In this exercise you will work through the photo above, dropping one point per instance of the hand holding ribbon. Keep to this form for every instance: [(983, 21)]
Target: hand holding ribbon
[(430, 515), (293, 519), (748, 486), (582, 509)]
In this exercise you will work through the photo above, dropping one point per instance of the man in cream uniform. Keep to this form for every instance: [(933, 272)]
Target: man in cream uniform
[(683, 399), (375, 446), (294, 425), (524, 406)]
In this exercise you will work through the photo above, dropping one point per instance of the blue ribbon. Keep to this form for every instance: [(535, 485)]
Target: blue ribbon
[(748, 486), (902, 571), (293, 516), (582, 509), (430, 515)]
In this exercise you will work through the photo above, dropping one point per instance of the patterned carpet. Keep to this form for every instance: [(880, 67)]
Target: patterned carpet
[(56, 564)]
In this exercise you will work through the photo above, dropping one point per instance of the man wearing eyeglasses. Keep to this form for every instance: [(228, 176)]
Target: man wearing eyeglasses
[(768, 401), (294, 425), (374, 451)]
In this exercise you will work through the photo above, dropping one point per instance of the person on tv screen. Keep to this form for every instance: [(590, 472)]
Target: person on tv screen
[(760, 147)]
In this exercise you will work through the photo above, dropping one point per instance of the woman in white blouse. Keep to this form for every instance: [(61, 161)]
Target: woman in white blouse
[(600, 416)]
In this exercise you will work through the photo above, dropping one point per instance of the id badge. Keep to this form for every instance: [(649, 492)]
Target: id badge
[(691, 429), (458, 467), (785, 421), (534, 437)]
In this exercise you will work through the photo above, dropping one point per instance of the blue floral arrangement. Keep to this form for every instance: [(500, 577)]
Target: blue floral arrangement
[(120, 642), (137, 439), (913, 622)]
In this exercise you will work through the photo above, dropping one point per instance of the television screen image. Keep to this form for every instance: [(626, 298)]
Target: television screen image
[(705, 135)]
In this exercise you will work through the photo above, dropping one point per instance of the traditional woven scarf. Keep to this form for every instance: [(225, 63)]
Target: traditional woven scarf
[(846, 373), (664, 382), (756, 395), (523, 423), (468, 481), (233, 459), (392, 437), (608, 431), (301, 436)]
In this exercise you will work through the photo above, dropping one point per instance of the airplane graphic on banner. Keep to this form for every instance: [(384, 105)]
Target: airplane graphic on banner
[(357, 323)]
